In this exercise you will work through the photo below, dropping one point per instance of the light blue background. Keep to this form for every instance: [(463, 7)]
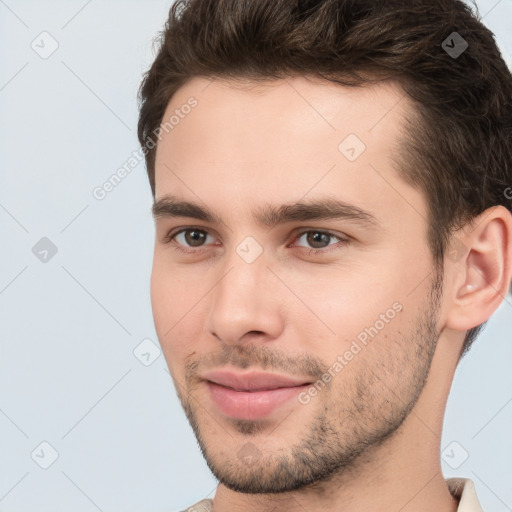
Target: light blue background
[(68, 375)]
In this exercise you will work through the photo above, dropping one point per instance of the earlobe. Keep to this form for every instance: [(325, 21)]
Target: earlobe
[(482, 277)]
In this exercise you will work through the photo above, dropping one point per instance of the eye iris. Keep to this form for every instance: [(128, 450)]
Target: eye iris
[(315, 236), (193, 236)]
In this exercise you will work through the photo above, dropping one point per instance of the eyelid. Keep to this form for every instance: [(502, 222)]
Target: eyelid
[(344, 239), (341, 238), (172, 234)]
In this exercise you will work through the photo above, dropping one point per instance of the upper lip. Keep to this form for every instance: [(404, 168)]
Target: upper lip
[(253, 381)]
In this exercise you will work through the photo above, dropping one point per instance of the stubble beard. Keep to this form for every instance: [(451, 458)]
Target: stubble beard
[(345, 432)]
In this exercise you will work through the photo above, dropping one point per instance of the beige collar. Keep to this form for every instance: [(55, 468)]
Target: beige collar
[(463, 489)]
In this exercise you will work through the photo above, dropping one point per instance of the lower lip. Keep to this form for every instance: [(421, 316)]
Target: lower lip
[(251, 405)]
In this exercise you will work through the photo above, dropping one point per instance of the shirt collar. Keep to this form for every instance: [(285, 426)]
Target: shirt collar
[(463, 489)]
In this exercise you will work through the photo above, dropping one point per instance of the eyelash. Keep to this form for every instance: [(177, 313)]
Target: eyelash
[(169, 238)]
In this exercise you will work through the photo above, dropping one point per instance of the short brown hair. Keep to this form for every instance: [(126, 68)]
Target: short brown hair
[(458, 144)]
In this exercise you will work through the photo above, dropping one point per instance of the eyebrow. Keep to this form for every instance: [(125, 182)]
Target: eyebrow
[(269, 215)]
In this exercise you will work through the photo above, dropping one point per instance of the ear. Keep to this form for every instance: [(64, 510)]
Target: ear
[(479, 260)]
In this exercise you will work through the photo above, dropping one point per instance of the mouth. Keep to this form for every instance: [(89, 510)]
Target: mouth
[(253, 404), (252, 395), (256, 389), (253, 381)]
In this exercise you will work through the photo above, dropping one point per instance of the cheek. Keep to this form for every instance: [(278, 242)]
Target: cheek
[(161, 300), (175, 316), (167, 298), (169, 292), (346, 307)]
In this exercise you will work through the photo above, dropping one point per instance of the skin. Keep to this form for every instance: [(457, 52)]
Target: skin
[(377, 424)]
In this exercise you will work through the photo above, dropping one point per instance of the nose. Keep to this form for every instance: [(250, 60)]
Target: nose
[(245, 302)]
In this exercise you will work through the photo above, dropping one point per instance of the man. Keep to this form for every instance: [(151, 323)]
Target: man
[(333, 228)]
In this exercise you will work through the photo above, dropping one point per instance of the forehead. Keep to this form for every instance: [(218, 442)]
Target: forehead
[(281, 140), (301, 109)]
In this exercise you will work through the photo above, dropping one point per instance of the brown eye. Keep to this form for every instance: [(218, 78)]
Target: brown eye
[(318, 239), (194, 237), (187, 238)]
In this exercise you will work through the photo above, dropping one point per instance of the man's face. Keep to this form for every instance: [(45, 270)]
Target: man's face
[(356, 318)]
